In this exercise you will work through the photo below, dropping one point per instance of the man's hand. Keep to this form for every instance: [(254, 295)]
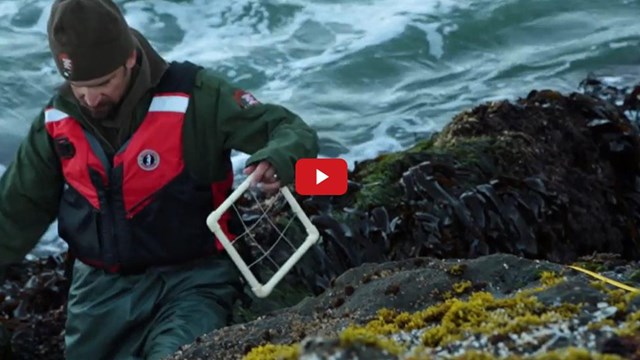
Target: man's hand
[(265, 174)]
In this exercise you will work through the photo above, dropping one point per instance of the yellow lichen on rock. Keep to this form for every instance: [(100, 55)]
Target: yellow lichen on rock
[(480, 314), (631, 326), (458, 289), (599, 285), (475, 355), (550, 278), (274, 352), (574, 353), (354, 335), (483, 314), (602, 324), (620, 298), (462, 287), (456, 270), (571, 353)]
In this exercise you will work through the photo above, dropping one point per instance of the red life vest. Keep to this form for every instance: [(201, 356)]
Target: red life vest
[(141, 208)]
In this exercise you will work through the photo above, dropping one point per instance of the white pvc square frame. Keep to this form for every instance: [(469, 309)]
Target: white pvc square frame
[(262, 290)]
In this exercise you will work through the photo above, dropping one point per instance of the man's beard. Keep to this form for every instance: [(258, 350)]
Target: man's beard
[(103, 111)]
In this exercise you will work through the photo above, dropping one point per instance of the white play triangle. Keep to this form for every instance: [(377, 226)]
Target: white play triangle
[(320, 176)]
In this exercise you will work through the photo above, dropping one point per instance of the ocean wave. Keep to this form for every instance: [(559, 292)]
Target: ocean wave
[(370, 76)]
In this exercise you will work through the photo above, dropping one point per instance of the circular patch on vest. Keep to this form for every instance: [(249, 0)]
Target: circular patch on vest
[(148, 160)]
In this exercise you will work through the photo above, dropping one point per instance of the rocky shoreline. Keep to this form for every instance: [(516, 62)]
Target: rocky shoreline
[(32, 310), (494, 306), (454, 248)]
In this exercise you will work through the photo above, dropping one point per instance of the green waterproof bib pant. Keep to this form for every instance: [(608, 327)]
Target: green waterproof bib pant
[(148, 315)]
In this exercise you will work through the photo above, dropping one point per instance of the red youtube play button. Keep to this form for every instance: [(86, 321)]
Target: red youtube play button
[(321, 176)]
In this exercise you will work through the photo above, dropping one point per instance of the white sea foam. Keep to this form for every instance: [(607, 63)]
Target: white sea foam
[(370, 76), (232, 29), (246, 31), (268, 42)]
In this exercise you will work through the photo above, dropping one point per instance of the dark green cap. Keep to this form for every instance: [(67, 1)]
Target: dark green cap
[(88, 38)]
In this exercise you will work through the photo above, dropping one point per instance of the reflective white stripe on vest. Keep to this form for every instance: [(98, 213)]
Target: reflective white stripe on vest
[(52, 115), (169, 104)]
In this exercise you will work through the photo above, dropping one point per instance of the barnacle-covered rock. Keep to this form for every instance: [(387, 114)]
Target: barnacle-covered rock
[(497, 305)]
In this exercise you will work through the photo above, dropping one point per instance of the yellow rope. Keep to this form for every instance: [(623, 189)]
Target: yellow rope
[(607, 280)]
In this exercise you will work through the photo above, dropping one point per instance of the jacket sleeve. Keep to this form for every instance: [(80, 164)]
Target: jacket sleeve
[(265, 131), (30, 191)]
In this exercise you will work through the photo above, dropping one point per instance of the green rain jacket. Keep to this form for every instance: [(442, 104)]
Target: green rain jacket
[(31, 188)]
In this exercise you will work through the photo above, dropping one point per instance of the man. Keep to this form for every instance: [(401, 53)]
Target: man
[(131, 155)]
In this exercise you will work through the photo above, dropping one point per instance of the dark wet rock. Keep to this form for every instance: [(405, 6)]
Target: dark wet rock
[(5, 343), (575, 292), (628, 347), (508, 273), (634, 305), (32, 309)]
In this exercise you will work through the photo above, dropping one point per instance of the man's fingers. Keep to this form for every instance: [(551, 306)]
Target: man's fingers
[(258, 173), (271, 187), (249, 169), (269, 174), (265, 174)]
